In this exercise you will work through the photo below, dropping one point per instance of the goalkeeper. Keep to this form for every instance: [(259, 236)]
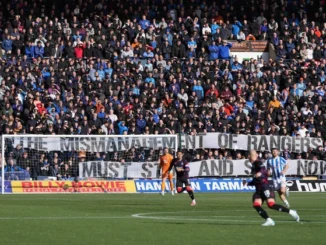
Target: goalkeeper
[(165, 166)]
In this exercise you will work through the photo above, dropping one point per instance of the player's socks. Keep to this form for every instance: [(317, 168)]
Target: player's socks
[(287, 192), (279, 208), (191, 194), (171, 187), (162, 193), (163, 186), (261, 212)]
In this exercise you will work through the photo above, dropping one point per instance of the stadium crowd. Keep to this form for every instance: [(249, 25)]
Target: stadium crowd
[(162, 66)]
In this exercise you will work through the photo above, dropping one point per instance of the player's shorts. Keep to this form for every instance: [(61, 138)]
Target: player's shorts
[(279, 183), (263, 194), (167, 175), (182, 181)]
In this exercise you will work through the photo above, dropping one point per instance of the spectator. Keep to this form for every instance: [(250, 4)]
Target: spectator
[(224, 50), (281, 52), (7, 45), (179, 50), (213, 51), (146, 64), (241, 36), (275, 103), (79, 50), (198, 89), (301, 87), (236, 27), (122, 128), (148, 54), (141, 124), (39, 50), (144, 23), (12, 170)]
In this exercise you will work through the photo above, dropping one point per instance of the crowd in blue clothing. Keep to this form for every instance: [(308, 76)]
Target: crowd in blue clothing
[(140, 68)]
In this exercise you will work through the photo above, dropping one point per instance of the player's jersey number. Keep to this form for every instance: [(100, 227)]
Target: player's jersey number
[(267, 193)]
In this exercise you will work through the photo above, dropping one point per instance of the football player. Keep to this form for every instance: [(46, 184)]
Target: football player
[(182, 169), (264, 192), (277, 168), (165, 166)]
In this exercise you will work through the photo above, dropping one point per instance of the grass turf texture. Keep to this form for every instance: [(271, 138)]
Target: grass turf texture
[(153, 219)]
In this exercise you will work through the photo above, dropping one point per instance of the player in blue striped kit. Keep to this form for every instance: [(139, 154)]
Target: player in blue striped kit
[(277, 168)]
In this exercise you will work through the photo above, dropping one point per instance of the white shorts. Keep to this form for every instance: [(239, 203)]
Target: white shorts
[(279, 183)]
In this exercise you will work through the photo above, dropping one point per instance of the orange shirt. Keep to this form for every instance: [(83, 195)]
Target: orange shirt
[(165, 162), (275, 104), (135, 45)]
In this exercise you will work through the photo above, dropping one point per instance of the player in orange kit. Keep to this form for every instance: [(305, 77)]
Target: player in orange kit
[(165, 166)]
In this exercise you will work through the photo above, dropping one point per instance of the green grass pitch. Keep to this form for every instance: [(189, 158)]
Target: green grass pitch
[(151, 219)]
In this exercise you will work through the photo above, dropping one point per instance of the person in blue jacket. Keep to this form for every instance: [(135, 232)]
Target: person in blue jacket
[(150, 79), (122, 127), (12, 170), (30, 50), (39, 50), (236, 27), (224, 50), (7, 45), (198, 89), (101, 114), (214, 28), (213, 51), (144, 23), (141, 123)]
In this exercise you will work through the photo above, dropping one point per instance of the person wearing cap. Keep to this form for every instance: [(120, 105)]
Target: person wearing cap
[(277, 168)]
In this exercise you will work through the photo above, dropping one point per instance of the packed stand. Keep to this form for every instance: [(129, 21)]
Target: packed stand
[(163, 67)]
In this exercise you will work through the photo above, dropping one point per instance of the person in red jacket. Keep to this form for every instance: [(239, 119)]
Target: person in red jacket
[(227, 109), (128, 107), (79, 50), (226, 94), (212, 90)]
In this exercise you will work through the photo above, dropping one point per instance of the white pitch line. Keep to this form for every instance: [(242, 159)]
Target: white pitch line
[(64, 217), (243, 216), (145, 216)]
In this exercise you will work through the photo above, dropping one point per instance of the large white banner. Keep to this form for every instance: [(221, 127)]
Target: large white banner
[(206, 168), (101, 169), (210, 140), (95, 144), (243, 167)]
